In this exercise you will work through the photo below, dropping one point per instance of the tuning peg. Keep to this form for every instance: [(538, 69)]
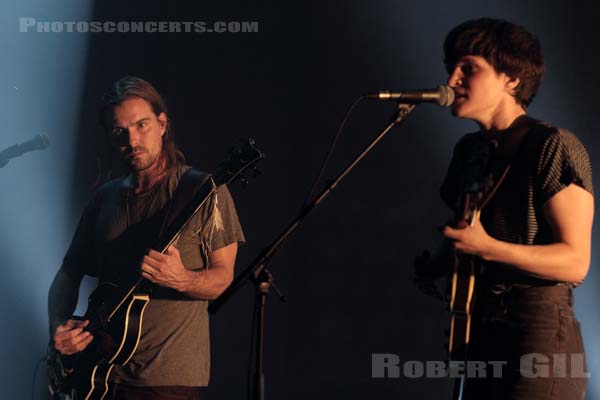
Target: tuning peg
[(244, 183), (256, 172)]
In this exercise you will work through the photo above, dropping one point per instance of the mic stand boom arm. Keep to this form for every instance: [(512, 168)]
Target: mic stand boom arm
[(257, 269)]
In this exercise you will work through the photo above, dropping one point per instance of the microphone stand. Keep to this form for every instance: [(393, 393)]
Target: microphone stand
[(263, 279)]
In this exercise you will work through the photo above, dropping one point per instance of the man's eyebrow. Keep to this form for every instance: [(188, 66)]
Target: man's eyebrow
[(133, 123)]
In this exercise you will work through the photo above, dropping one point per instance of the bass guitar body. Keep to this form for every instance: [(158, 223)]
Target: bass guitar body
[(116, 330)]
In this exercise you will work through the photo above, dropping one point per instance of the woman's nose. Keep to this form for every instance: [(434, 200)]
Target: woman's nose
[(455, 79)]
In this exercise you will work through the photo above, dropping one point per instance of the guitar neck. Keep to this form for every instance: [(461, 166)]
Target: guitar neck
[(240, 160), (175, 228), (469, 210), (169, 237)]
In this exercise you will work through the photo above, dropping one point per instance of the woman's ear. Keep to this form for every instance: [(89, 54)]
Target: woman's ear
[(512, 84)]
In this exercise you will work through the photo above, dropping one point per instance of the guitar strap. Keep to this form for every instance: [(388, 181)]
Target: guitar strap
[(189, 184)]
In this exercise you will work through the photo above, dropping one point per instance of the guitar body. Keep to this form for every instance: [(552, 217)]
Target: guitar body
[(482, 169), (462, 299), (465, 271), (116, 337)]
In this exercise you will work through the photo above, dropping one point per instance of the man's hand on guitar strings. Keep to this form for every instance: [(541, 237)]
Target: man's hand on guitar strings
[(165, 269), (71, 338), (470, 239)]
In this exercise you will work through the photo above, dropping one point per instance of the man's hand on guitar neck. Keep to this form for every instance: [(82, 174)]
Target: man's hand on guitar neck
[(168, 270), (70, 337)]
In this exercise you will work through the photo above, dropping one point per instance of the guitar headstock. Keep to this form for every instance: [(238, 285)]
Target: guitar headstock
[(240, 161)]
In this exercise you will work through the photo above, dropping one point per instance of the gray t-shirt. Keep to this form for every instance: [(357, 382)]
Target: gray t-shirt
[(116, 229)]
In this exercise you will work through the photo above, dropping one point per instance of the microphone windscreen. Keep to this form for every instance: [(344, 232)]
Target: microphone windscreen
[(446, 96)]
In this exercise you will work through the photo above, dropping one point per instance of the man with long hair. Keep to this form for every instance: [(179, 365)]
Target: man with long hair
[(123, 219)]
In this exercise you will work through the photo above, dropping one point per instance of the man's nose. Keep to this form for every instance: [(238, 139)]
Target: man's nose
[(133, 137)]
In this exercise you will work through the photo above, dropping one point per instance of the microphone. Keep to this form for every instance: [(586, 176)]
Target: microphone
[(443, 95), (39, 142)]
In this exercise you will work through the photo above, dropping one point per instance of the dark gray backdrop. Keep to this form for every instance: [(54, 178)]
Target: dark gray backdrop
[(346, 271)]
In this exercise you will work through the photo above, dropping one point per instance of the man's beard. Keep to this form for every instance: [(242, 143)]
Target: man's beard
[(139, 164)]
